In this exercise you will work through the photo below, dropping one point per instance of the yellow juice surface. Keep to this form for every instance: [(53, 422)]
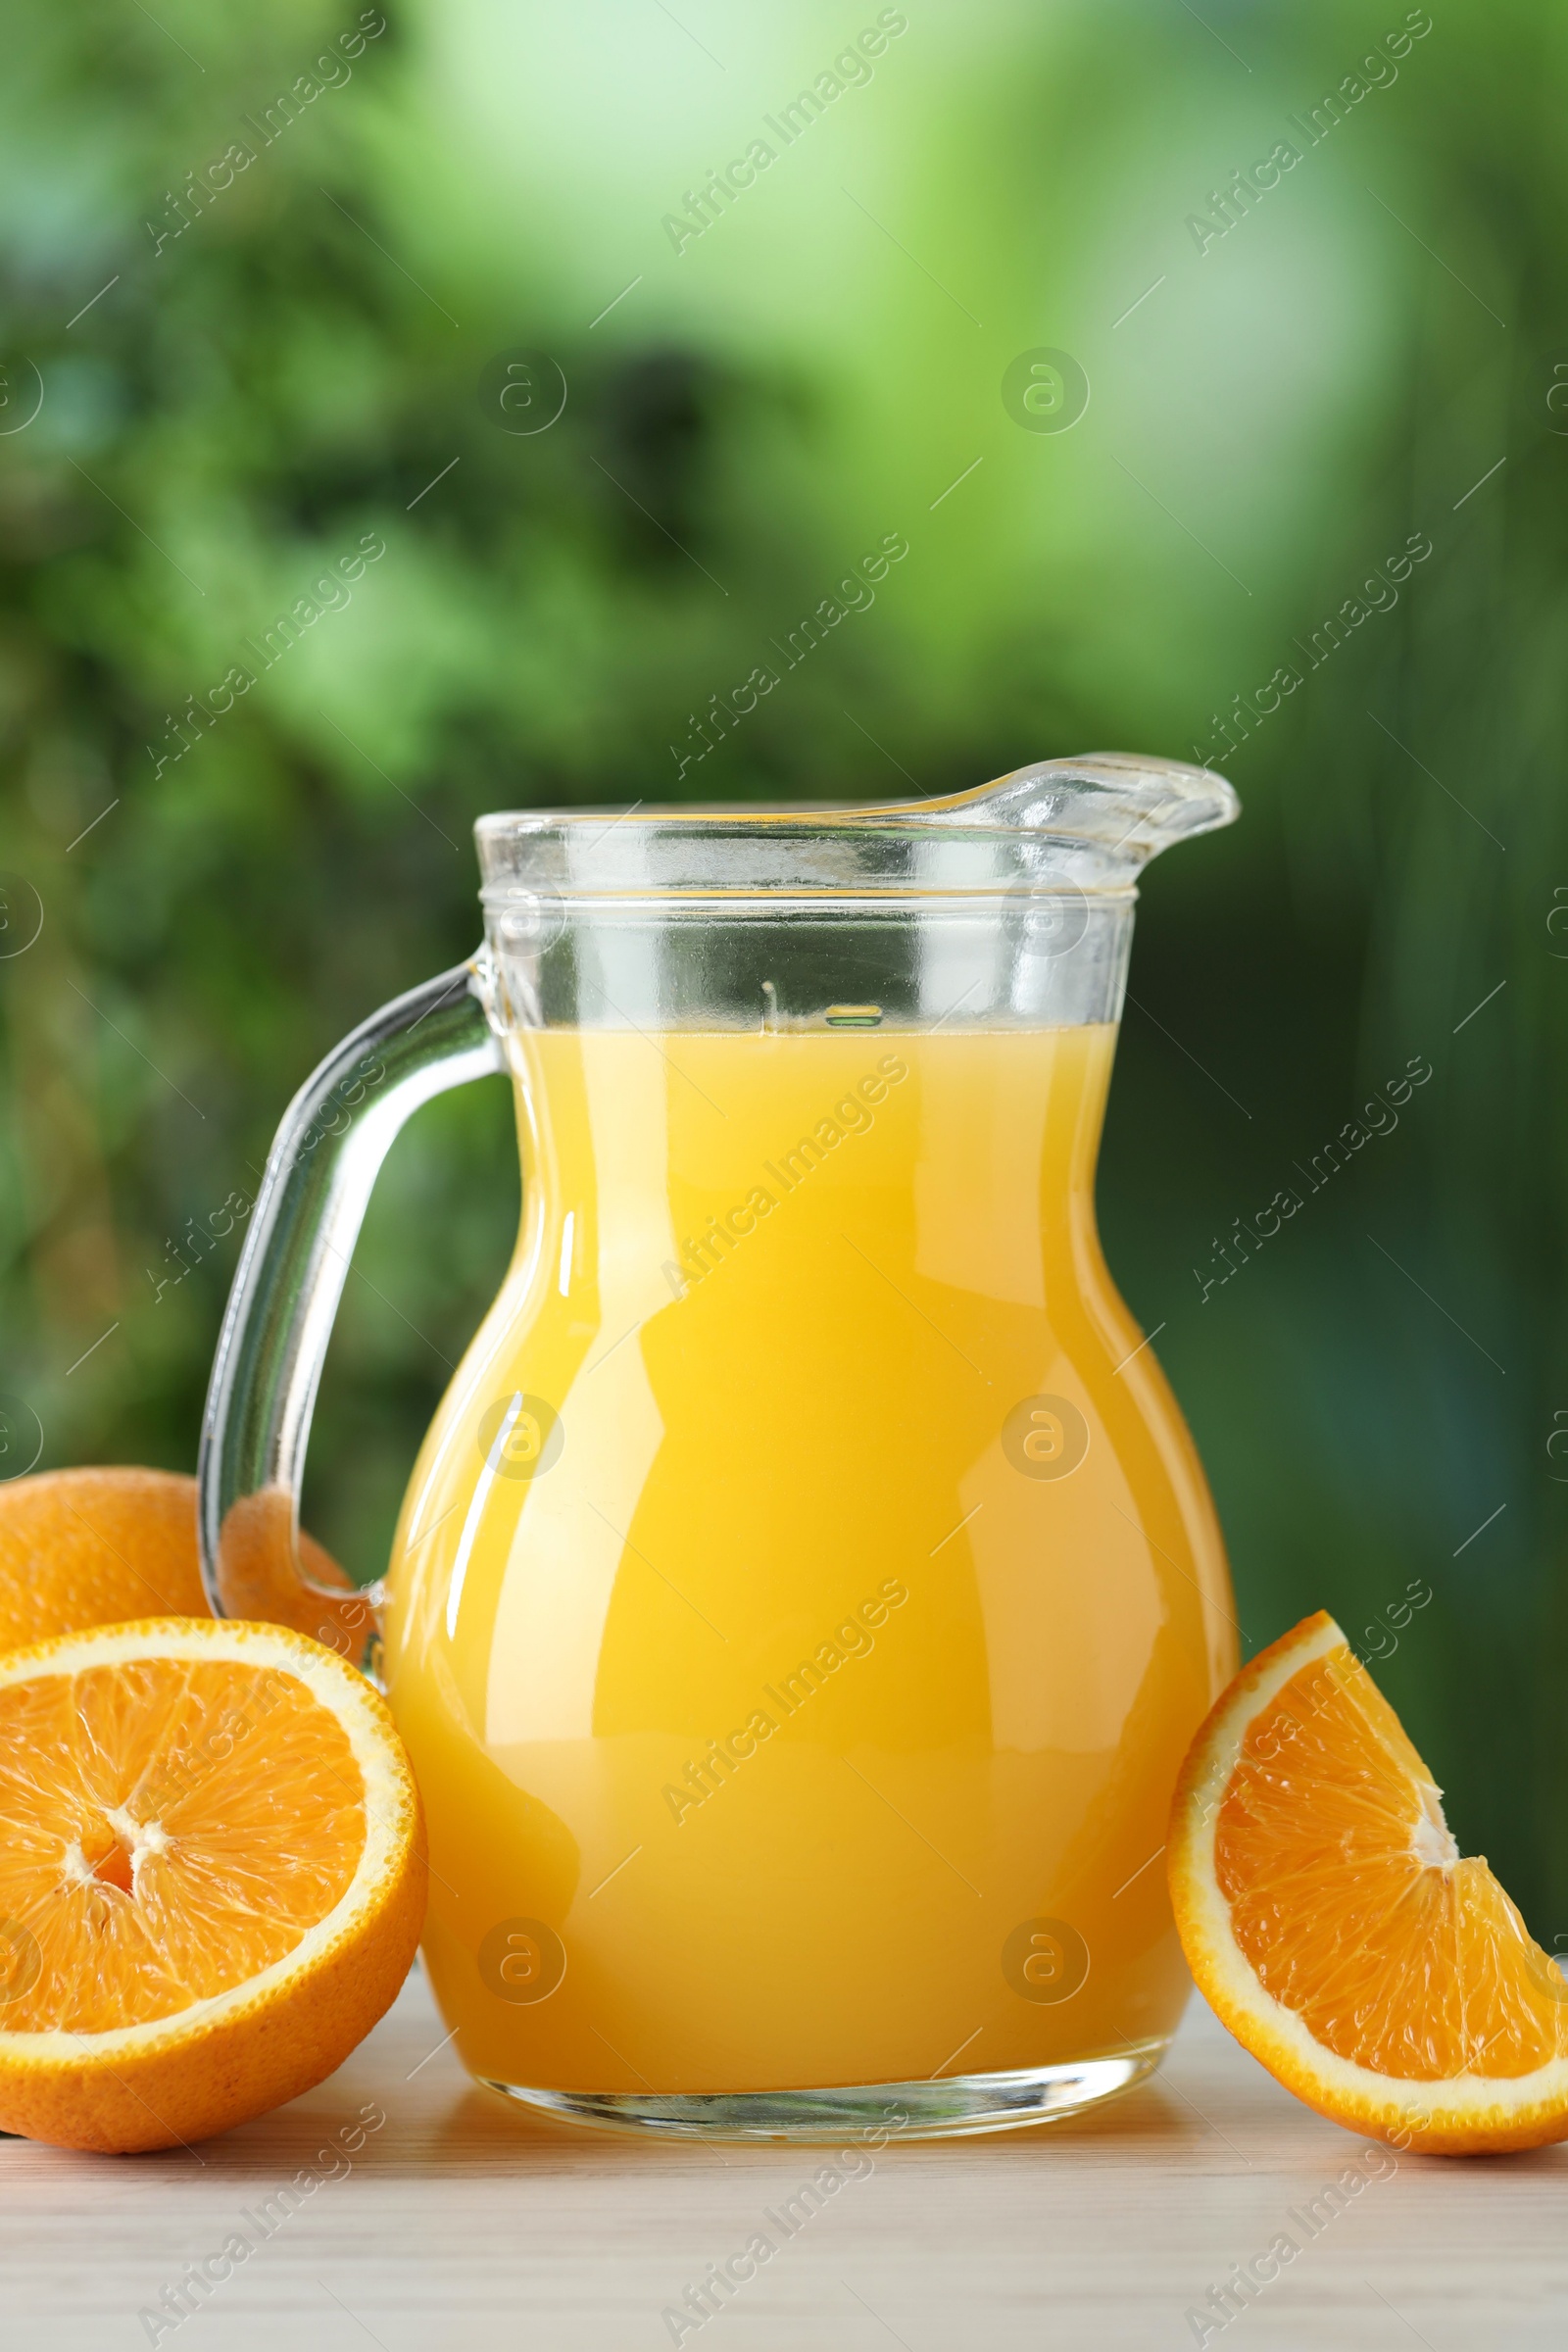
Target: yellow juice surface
[(808, 1588)]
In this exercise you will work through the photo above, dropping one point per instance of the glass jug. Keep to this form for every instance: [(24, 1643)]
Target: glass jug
[(807, 1588)]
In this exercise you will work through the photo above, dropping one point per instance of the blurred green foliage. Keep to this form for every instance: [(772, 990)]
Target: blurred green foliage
[(1352, 360)]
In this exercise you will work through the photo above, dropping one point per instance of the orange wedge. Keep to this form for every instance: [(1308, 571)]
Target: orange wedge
[(1330, 1921), (212, 1876), (81, 1548)]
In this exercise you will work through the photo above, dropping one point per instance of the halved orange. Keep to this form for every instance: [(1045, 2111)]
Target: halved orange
[(212, 1876), (1330, 1921)]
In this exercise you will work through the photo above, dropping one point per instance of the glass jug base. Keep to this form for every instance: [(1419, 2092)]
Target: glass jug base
[(947, 2109)]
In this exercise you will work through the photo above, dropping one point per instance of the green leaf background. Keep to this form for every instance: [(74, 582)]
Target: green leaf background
[(1368, 340)]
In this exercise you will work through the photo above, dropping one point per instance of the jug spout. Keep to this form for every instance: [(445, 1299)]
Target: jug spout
[(1098, 818)]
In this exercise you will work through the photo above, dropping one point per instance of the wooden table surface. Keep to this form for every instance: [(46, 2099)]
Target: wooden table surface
[(461, 2221)]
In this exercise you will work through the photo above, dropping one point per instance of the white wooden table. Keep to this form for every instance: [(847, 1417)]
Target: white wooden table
[(462, 2222)]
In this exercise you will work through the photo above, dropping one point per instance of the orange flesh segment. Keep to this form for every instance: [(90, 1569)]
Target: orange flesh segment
[(168, 1827), (1330, 1851)]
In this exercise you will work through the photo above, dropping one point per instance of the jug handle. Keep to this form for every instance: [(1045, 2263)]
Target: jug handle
[(320, 1173)]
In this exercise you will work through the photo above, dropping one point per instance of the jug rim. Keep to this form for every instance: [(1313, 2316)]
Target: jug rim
[(1087, 824), (1001, 804)]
